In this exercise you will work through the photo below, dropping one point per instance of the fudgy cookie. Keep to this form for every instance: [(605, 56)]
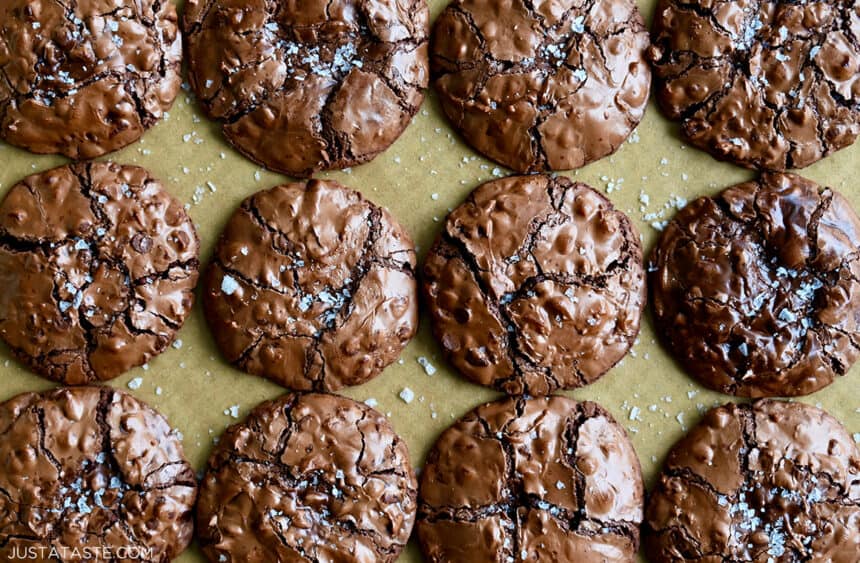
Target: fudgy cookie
[(305, 86), (312, 286), (535, 284), (98, 265), (91, 473), (757, 289), (85, 78), (770, 482), (540, 86), (770, 85), (541, 479), (308, 477)]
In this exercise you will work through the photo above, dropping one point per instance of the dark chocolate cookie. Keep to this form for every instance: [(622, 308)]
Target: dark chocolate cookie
[(542, 86), (98, 265), (545, 479), (312, 286), (85, 78), (535, 284), (770, 482), (91, 473), (771, 85), (305, 86), (757, 289), (308, 477)]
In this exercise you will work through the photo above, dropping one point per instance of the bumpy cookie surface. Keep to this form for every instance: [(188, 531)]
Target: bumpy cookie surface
[(757, 289), (535, 284), (98, 265), (306, 85), (311, 477), (765, 84), (91, 468), (770, 482), (88, 77), (542, 85), (312, 286), (545, 479)]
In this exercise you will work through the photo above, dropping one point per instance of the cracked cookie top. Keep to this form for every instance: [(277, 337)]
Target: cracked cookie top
[(92, 468), (757, 289), (765, 84), (86, 78), (308, 477), (305, 85), (98, 265), (535, 284), (540, 85), (532, 479), (768, 482), (312, 286)]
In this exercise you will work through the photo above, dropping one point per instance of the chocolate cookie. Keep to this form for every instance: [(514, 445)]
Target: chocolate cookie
[(308, 477), (85, 78), (312, 286), (305, 86), (770, 85), (91, 473), (535, 284), (769, 482), (757, 289), (98, 265), (542, 86), (545, 479)]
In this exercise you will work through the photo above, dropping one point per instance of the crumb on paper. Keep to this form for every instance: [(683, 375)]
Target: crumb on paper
[(135, 383), (371, 402), (232, 411)]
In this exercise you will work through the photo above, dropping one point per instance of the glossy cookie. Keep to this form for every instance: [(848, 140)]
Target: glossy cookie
[(771, 85), (764, 482), (535, 284), (308, 477), (539, 86), (756, 290), (305, 86), (543, 479), (98, 265), (312, 286), (91, 473), (85, 78)]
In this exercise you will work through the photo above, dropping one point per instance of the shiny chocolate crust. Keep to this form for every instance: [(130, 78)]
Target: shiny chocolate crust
[(312, 286), (85, 78), (756, 290), (98, 265), (91, 468), (539, 85), (535, 284), (768, 482), (540, 479), (308, 477), (306, 85), (771, 84)]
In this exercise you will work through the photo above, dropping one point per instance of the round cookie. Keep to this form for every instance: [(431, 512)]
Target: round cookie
[(535, 284), (756, 290), (307, 477), (540, 479), (98, 265), (312, 286), (86, 78), (305, 86), (539, 86), (91, 473), (768, 482), (771, 85)]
